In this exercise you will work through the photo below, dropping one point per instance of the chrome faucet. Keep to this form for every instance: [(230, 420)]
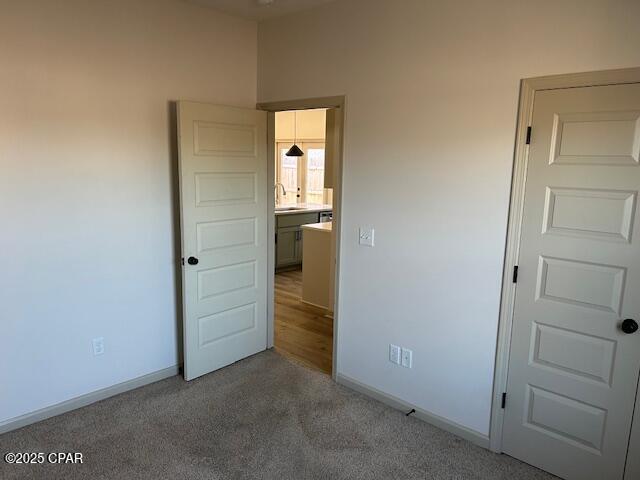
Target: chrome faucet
[(284, 192)]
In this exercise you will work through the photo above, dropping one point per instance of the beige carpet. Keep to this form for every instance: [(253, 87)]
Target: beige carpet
[(261, 418)]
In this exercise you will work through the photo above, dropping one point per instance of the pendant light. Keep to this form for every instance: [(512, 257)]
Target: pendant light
[(295, 151)]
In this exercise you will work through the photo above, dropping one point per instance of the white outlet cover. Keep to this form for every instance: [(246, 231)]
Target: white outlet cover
[(366, 236), (98, 345), (407, 358), (394, 354)]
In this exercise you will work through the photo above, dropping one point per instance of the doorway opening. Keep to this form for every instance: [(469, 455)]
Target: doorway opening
[(305, 139)]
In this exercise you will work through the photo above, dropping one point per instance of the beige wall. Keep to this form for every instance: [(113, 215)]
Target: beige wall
[(87, 244), (432, 91)]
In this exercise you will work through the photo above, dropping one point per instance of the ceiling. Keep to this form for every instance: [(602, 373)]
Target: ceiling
[(253, 10)]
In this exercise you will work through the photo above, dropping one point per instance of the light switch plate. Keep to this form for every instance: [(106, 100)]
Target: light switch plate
[(366, 236)]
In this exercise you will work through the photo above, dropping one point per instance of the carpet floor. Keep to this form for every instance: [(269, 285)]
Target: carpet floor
[(262, 418)]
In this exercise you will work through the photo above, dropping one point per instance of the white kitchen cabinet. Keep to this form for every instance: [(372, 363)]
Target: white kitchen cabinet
[(317, 265)]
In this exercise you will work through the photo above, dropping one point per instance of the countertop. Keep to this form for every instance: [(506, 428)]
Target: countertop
[(306, 208), (320, 227)]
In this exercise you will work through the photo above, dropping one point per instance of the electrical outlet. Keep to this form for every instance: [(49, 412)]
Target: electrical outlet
[(98, 346), (407, 358), (366, 236), (394, 354)]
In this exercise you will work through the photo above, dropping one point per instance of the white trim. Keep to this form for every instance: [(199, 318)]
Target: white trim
[(431, 418), (271, 225), (315, 305), (511, 259), (527, 95), (86, 399), (338, 175)]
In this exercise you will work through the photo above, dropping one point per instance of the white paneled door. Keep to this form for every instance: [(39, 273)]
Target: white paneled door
[(223, 197), (575, 355)]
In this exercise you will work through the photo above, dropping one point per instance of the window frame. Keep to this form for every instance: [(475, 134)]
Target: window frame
[(302, 164)]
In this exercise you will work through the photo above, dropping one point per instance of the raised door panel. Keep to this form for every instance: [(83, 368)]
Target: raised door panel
[(221, 325), (596, 138), (570, 353), (226, 279), (590, 213), (565, 418), (224, 139), (229, 188), (226, 234), (581, 283)]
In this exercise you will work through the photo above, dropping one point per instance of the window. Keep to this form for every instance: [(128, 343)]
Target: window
[(314, 191), (287, 175), (302, 177)]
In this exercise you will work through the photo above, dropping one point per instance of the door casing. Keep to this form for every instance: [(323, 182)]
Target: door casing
[(528, 89), (303, 104)]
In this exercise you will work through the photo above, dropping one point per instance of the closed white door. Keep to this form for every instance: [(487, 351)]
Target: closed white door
[(574, 362), (223, 197)]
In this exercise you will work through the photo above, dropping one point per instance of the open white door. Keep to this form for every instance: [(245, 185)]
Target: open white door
[(223, 198)]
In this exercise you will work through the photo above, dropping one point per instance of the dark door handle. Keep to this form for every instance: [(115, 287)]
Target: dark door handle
[(629, 326), (192, 261)]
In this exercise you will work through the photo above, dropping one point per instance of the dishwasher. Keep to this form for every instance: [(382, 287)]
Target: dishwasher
[(326, 217)]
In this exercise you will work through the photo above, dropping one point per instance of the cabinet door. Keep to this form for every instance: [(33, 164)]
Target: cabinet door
[(287, 246), (296, 219)]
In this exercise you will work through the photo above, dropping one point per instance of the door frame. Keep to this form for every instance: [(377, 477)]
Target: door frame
[(528, 89), (303, 104)]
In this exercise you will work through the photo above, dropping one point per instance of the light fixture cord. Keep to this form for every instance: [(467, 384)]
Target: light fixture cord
[(295, 127)]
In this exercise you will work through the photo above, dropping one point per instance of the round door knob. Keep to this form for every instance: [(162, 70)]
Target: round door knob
[(629, 326), (194, 261)]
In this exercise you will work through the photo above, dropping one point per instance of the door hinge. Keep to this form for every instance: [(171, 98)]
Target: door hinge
[(276, 238), (504, 399), (515, 274), (528, 141)]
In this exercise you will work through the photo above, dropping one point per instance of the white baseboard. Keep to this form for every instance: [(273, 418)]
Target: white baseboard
[(87, 399), (436, 420), (314, 305)]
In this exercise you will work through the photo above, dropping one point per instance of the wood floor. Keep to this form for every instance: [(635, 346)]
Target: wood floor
[(302, 332)]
